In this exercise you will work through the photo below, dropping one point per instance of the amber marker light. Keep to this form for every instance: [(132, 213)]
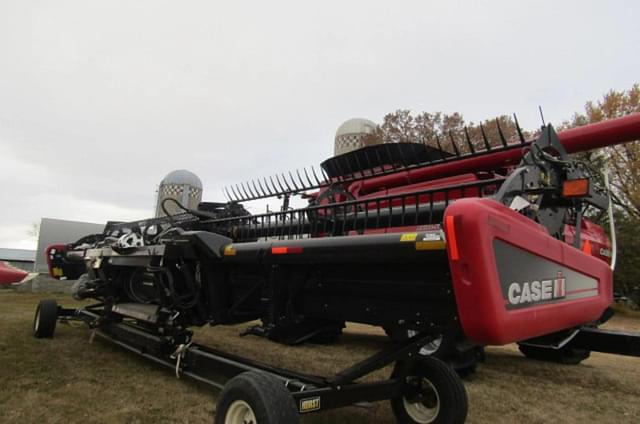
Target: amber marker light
[(576, 188)]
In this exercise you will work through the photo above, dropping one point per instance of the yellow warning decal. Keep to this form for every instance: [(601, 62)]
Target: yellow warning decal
[(431, 245), (229, 251), (409, 237)]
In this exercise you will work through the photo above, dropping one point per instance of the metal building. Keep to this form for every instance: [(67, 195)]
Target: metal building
[(60, 231), (19, 258), (181, 185)]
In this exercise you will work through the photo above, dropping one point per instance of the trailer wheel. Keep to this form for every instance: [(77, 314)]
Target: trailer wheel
[(44, 322), (433, 394), (566, 355), (255, 398)]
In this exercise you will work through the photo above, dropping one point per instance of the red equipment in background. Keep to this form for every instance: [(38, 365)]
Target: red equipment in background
[(10, 275)]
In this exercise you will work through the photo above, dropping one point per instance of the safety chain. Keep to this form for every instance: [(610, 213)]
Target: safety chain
[(179, 354)]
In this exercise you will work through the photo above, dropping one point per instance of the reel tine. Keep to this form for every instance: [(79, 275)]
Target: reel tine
[(240, 193), (267, 191), (502, 139), (293, 181), (520, 135), (300, 179), (248, 196), (282, 189), (487, 145), (315, 176), (255, 187), (306, 174), (237, 198), (284, 179), (325, 176), (440, 149), (253, 195), (226, 192), (466, 134), (454, 144), (273, 185)]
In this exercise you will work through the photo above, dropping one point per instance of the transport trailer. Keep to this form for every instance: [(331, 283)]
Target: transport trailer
[(485, 259)]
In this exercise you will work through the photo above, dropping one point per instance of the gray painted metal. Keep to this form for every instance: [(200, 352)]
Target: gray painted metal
[(19, 258), (17, 255), (532, 280)]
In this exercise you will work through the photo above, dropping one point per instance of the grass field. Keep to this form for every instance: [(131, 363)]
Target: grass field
[(66, 379)]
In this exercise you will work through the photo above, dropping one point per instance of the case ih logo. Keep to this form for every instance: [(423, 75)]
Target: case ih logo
[(537, 291)]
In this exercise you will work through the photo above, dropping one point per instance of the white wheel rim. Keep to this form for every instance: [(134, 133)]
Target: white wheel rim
[(240, 412), (37, 321), (429, 348), (418, 411)]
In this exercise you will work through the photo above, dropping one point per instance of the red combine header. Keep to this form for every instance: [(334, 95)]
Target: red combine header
[(10, 275), (448, 248)]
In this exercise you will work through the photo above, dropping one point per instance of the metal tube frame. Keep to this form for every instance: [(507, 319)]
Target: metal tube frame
[(214, 368)]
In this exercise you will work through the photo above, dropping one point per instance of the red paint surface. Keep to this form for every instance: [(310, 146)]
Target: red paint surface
[(588, 137), (481, 305), (10, 275)]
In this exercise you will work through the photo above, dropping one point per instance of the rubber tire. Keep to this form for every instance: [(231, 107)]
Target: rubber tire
[(454, 403), (566, 355), (47, 314), (267, 396)]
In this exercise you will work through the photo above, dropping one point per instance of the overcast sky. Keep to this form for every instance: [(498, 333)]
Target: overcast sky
[(100, 99)]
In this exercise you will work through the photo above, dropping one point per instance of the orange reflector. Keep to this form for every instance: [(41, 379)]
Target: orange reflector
[(431, 245), (283, 250), (575, 188), (451, 238), (586, 247)]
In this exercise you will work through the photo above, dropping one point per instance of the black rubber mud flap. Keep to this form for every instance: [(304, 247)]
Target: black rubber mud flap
[(566, 355)]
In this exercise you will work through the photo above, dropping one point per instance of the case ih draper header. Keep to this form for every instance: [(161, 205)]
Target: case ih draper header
[(448, 249)]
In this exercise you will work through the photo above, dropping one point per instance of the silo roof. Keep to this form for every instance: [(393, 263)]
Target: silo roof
[(181, 177)]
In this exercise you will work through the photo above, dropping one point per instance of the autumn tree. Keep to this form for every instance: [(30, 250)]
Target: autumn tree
[(622, 162), (449, 131)]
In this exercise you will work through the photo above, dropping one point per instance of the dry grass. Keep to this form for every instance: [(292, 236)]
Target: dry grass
[(69, 380)]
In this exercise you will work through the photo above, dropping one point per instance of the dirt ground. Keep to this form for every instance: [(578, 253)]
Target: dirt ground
[(67, 379)]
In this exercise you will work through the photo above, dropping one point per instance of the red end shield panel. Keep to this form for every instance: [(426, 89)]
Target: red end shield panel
[(512, 281)]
